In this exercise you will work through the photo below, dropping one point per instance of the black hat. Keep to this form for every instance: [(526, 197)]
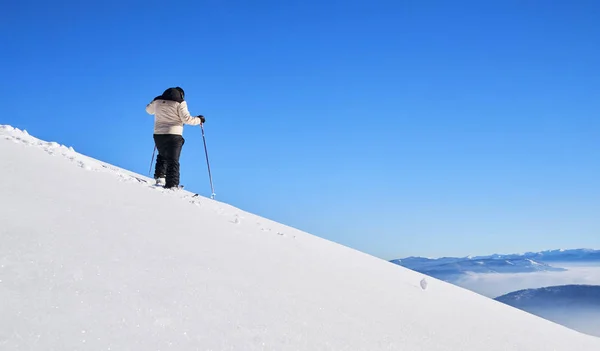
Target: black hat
[(173, 94), (181, 91)]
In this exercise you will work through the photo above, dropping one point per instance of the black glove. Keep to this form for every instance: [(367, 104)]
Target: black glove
[(201, 118)]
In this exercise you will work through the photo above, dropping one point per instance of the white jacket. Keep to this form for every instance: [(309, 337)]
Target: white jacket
[(170, 116)]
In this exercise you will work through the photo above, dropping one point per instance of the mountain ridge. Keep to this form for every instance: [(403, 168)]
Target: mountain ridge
[(580, 294), (552, 254), (449, 268), (576, 306)]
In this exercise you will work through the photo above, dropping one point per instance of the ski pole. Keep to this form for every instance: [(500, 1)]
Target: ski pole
[(212, 196), (151, 162)]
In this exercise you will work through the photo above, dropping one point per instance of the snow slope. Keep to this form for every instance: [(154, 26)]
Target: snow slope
[(93, 259)]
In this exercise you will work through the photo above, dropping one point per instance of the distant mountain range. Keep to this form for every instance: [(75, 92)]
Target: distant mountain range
[(560, 255), (574, 306), (586, 296), (447, 268)]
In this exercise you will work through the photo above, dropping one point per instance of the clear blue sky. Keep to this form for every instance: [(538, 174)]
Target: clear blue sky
[(394, 127)]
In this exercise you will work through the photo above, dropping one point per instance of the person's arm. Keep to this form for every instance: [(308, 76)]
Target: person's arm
[(185, 116), (150, 108)]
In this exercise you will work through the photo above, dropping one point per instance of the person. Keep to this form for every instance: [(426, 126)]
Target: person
[(170, 114)]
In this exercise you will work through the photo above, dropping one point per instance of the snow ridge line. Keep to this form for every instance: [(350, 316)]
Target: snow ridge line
[(90, 164)]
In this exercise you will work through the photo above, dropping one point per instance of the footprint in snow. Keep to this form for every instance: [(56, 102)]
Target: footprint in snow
[(237, 219), (286, 235), (263, 229), (84, 165), (19, 140), (196, 203)]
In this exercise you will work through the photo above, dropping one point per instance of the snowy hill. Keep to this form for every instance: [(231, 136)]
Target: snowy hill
[(94, 258), (449, 268), (575, 306)]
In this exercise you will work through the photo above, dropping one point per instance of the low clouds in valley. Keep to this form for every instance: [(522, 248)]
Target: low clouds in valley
[(493, 285)]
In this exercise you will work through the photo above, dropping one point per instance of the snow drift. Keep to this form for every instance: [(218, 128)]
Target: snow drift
[(94, 258)]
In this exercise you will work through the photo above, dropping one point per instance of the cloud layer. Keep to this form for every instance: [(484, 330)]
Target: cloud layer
[(493, 285)]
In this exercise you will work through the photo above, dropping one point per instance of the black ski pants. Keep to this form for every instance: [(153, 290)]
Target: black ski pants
[(167, 162)]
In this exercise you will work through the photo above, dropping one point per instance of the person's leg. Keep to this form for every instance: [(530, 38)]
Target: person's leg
[(160, 171), (173, 152)]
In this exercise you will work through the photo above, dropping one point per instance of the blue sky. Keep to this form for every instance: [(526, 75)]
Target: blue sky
[(395, 127)]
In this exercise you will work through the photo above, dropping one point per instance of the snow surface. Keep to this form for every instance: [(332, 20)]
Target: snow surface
[(93, 258)]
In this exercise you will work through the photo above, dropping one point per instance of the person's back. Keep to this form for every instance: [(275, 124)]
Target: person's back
[(170, 114)]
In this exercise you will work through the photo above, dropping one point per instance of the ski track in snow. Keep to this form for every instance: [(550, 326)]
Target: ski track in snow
[(55, 149)]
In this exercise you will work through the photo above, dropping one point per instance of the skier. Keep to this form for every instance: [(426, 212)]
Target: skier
[(170, 114)]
